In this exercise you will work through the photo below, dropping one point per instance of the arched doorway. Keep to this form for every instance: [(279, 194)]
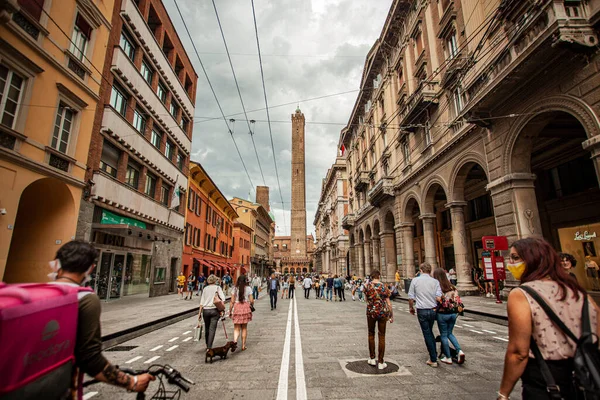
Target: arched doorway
[(377, 245), (561, 202), (361, 253), (368, 251), (351, 262), (45, 219), (437, 228), (388, 248), (414, 247)]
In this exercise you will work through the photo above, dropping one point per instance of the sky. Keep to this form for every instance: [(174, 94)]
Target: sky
[(310, 48)]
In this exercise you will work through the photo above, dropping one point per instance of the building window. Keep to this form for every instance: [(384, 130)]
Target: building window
[(80, 38), (169, 150), (174, 109), (110, 159), (188, 228), (191, 199), (156, 138), (11, 87), (180, 160), (164, 195), (147, 72), (62, 128), (184, 124), (481, 207), (198, 206), (451, 45), (406, 151), (427, 134), (161, 92), (139, 121), (118, 99), (127, 44), (132, 176), (150, 188), (457, 100)]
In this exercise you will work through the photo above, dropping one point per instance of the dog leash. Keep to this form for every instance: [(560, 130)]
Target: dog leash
[(225, 330)]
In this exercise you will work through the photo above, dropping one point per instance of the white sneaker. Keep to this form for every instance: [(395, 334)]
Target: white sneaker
[(446, 360), (488, 295), (432, 364), (372, 361), (382, 366), (461, 357)]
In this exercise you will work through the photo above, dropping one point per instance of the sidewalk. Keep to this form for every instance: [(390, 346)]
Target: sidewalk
[(479, 304)]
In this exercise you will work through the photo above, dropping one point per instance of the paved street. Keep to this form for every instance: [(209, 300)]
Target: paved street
[(317, 344)]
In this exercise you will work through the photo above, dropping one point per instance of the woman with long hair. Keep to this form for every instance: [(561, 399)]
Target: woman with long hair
[(446, 315), (286, 287), (537, 265), (239, 309), (379, 312)]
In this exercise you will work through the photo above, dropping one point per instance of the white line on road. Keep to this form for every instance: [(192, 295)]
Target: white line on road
[(186, 332), (492, 332), (174, 339), (282, 387), (470, 326), (148, 361), (499, 338), (473, 330), (89, 395), (300, 378), (156, 348), (133, 360), (173, 347), (187, 339), (457, 326)]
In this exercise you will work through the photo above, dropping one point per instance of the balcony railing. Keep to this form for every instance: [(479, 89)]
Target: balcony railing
[(348, 221), (425, 95), (362, 180), (382, 191)]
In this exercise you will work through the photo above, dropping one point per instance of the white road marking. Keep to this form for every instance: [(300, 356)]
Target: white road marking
[(458, 326), (300, 378), (470, 326), (187, 339), (173, 347), (499, 338), (89, 395), (133, 360), (474, 331), (148, 361), (174, 339), (186, 332), (156, 348), (492, 332), (282, 387)]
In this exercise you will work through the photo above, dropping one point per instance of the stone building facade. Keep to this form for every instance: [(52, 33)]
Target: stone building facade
[(331, 248), (285, 263), (137, 170), (475, 118)]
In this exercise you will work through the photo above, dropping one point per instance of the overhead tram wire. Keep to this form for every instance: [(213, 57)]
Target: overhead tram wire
[(238, 90), (214, 94), (262, 76)]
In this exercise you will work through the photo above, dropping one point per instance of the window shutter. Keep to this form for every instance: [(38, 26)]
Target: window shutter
[(83, 26)]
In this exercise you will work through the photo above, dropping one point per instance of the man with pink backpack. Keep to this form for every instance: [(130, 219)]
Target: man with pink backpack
[(58, 326)]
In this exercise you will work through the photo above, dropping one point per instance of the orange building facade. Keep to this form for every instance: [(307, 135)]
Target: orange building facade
[(242, 239), (209, 244)]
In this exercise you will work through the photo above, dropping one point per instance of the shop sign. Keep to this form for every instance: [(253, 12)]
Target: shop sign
[(109, 218), (585, 236)]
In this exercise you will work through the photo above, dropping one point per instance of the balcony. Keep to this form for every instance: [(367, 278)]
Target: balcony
[(382, 191), (363, 210), (130, 12), (361, 181), (546, 33), (121, 196), (423, 97), (124, 68), (348, 221)]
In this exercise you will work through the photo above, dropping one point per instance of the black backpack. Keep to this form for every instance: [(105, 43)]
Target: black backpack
[(586, 362)]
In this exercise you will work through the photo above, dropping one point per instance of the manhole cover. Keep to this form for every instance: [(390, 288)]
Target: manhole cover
[(121, 348), (363, 367)]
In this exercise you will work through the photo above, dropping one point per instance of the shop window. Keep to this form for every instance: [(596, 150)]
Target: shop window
[(82, 32), (156, 138), (62, 128), (147, 71), (150, 188), (132, 176), (164, 195), (139, 120), (127, 44), (11, 87), (161, 92), (118, 99), (109, 159)]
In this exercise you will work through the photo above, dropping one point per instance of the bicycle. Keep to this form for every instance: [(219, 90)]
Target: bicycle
[(172, 376)]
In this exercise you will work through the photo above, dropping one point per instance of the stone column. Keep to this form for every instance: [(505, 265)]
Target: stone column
[(459, 240), (367, 253), (361, 260), (376, 245), (327, 259), (389, 250), (429, 238), (409, 250), (353, 260)]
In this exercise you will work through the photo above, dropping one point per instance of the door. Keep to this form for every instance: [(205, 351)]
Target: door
[(174, 275), (100, 281), (116, 276)]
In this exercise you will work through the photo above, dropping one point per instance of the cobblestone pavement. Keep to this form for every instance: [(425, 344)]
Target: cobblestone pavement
[(315, 348)]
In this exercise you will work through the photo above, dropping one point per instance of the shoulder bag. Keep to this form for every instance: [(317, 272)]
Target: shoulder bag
[(218, 303)]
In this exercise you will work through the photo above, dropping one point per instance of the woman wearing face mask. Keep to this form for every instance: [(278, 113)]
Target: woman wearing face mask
[(537, 265)]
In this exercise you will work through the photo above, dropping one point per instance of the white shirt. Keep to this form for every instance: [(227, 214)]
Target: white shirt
[(247, 294), (208, 295), (256, 281), (424, 290), (307, 283)]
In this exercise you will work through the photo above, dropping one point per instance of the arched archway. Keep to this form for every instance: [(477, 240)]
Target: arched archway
[(412, 236), (389, 249), (376, 246), (368, 250), (45, 209), (436, 224), (361, 253)]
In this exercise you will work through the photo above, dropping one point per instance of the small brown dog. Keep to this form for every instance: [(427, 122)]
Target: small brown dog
[(220, 351)]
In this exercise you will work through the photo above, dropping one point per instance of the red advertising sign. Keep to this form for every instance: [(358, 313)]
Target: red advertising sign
[(493, 262)]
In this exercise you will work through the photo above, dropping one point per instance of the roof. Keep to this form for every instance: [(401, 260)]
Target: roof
[(199, 175)]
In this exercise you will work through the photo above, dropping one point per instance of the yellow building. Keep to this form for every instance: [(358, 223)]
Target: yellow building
[(51, 55)]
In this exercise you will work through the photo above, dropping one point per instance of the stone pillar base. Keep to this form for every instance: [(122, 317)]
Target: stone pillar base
[(468, 291)]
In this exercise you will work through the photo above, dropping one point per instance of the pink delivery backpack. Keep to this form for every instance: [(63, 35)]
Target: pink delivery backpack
[(38, 328)]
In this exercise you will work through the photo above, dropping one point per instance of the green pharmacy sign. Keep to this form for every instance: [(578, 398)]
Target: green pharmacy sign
[(109, 218)]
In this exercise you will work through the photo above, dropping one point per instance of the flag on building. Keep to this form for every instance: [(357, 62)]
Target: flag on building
[(175, 196), (343, 150)]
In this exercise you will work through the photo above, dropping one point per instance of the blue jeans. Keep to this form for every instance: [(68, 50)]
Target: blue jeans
[(329, 293), (255, 292), (446, 324), (200, 288), (426, 320), (322, 292), (273, 296)]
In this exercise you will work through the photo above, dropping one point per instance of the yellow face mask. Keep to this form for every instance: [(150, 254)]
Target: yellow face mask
[(516, 270)]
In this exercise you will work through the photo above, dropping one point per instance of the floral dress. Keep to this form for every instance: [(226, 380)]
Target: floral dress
[(377, 294)]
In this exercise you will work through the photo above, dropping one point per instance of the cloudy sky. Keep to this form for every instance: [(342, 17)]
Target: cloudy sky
[(310, 48)]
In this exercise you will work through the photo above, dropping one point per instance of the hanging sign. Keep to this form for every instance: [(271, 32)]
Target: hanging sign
[(585, 236)]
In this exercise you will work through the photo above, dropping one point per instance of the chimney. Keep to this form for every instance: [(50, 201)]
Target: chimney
[(262, 197)]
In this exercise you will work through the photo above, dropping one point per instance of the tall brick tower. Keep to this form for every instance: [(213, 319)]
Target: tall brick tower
[(298, 232)]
